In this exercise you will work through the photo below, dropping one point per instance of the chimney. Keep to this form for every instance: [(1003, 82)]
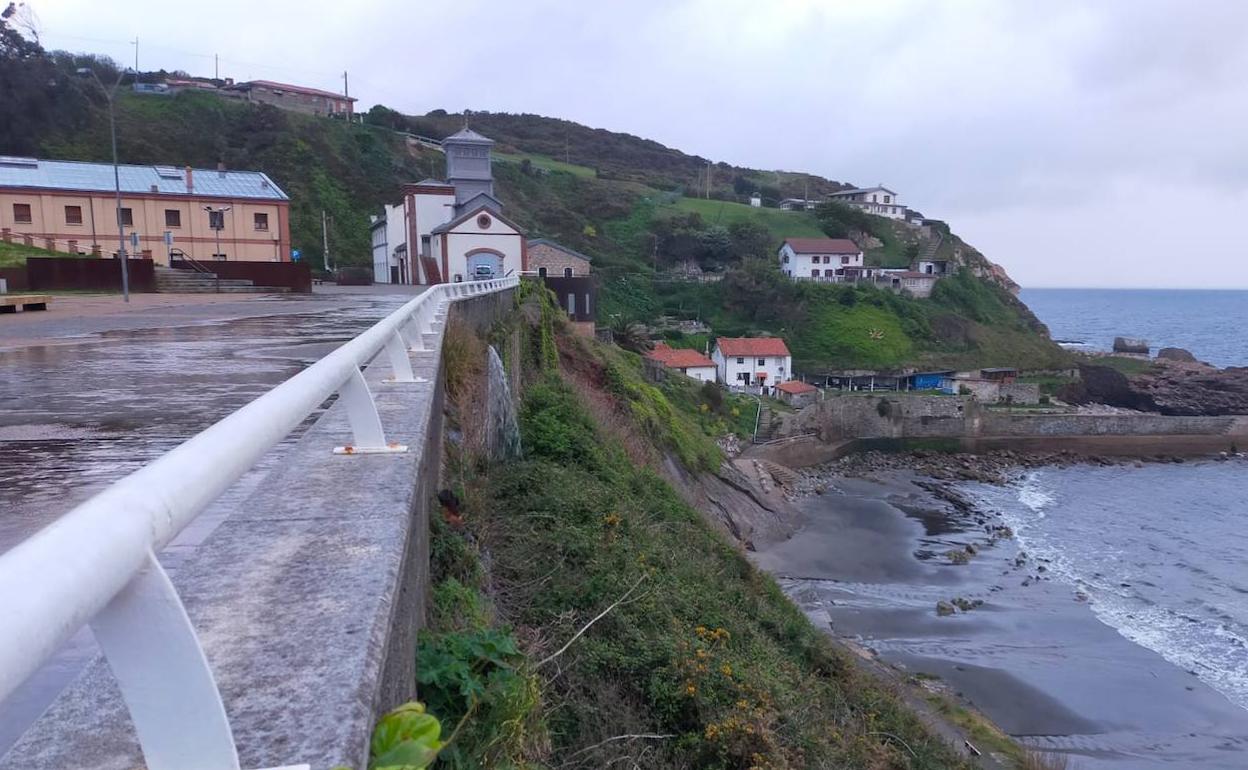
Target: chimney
[(190, 180), (155, 188), (221, 168)]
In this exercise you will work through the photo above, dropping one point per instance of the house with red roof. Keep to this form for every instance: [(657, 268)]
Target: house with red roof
[(821, 259), (755, 363), (796, 393), (313, 101), (688, 362)]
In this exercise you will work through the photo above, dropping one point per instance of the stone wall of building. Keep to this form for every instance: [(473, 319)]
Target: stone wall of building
[(555, 261)]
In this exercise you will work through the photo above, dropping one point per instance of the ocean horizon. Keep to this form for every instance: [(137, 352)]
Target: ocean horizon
[(1207, 322)]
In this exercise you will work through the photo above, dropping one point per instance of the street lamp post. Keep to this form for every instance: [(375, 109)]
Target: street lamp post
[(217, 223), (109, 93)]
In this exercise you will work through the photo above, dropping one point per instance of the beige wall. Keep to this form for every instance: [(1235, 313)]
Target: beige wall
[(555, 261), (240, 240)]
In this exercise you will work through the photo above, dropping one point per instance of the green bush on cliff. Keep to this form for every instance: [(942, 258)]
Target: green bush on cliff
[(695, 648)]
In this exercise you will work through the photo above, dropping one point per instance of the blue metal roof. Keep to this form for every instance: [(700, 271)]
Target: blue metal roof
[(167, 180)]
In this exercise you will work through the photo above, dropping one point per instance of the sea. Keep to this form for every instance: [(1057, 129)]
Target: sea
[(1159, 551), (1212, 324)]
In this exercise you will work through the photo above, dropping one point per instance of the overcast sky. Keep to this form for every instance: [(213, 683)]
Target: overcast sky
[(1096, 143)]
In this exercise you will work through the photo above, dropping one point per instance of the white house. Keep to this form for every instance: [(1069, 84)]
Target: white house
[(390, 261), (820, 259), (453, 230), (690, 363), (756, 200), (755, 362), (879, 200)]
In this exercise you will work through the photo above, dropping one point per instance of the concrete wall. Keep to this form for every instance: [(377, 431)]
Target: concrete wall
[(906, 416), (307, 596)]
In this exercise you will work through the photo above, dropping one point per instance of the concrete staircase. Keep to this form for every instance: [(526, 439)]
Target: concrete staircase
[(766, 425), (172, 281), (930, 248)]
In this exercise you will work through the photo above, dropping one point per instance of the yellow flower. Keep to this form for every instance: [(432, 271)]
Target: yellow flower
[(726, 670)]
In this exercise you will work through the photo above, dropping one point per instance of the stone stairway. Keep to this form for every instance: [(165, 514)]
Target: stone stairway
[(930, 248), (766, 428), (173, 281)]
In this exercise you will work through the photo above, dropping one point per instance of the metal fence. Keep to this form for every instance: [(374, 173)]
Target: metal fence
[(97, 564)]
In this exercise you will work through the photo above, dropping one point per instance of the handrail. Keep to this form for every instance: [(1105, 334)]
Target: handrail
[(96, 564)]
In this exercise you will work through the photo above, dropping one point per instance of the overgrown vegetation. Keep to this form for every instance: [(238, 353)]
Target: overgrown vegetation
[(612, 622)]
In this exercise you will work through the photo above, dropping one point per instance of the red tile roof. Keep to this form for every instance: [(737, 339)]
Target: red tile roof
[(796, 387), (752, 346), (823, 245), (679, 358)]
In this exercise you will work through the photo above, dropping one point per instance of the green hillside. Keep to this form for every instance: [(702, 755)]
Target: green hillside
[(616, 197)]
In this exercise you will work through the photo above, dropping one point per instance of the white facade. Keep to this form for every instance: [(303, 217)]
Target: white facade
[(751, 370), (799, 263), (879, 201), (478, 238), (700, 373), (390, 262), (756, 200)]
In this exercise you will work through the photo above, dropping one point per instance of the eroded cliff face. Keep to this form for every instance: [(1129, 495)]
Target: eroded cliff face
[(735, 504)]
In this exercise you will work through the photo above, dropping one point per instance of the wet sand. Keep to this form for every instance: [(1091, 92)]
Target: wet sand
[(1034, 658)]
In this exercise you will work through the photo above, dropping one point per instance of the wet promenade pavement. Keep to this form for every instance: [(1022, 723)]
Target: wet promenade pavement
[(88, 396)]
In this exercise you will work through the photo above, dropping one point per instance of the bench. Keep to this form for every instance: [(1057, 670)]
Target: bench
[(10, 302)]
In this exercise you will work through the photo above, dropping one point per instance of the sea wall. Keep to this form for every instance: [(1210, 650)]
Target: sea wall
[(898, 415)]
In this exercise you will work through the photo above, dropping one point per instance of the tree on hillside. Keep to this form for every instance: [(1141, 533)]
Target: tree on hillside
[(758, 291)]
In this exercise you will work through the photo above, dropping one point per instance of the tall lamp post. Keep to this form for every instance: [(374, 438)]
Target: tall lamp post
[(216, 220), (109, 93)]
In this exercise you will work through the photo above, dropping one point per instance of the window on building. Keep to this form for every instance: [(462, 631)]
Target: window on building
[(216, 220), (572, 304), (261, 221), (73, 215), (541, 271), (827, 260), (173, 218), (21, 213), (741, 360), (219, 257), (785, 259), (425, 241), (762, 362), (814, 273), (888, 199), (844, 260), (567, 272), (127, 218)]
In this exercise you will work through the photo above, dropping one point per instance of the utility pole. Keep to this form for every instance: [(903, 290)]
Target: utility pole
[(136, 54), (325, 238), (216, 66), (109, 94), (708, 180), (345, 90)]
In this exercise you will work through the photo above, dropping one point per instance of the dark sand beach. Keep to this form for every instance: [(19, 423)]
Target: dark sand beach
[(872, 558)]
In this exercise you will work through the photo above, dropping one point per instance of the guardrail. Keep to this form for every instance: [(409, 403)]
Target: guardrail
[(97, 564)]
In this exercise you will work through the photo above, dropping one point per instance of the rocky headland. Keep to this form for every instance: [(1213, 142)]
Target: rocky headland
[(1175, 384)]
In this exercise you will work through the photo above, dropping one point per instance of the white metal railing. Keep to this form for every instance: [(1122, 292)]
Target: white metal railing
[(97, 565)]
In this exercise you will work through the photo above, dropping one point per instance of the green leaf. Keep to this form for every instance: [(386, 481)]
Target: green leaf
[(405, 739)]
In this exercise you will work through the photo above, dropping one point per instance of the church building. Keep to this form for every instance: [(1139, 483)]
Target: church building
[(449, 231)]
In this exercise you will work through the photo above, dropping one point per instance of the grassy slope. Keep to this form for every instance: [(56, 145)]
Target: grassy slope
[(346, 170), (14, 255), (781, 224), (698, 647)]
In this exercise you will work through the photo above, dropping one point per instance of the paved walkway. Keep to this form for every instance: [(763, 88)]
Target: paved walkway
[(71, 316)]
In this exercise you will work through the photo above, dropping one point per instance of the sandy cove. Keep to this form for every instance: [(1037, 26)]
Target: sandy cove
[(885, 538)]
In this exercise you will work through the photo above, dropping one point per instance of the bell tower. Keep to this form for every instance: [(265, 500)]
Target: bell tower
[(468, 164)]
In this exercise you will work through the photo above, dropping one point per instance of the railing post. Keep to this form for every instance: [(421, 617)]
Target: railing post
[(396, 350), (164, 677), (366, 428)]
